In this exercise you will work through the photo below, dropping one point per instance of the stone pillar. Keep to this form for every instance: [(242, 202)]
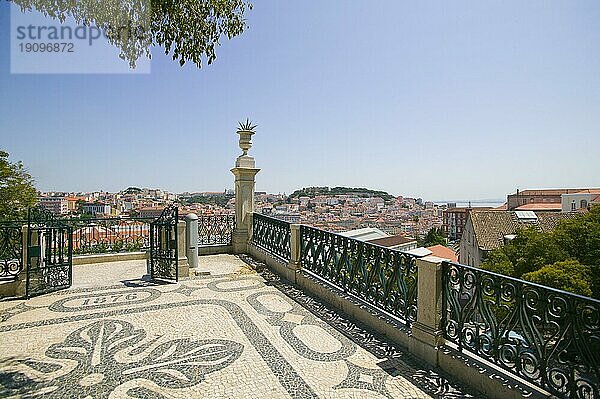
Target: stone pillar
[(245, 172), (191, 239), (183, 267), (295, 247), (427, 330)]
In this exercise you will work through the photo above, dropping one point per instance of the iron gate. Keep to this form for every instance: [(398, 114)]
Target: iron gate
[(49, 253), (163, 245)]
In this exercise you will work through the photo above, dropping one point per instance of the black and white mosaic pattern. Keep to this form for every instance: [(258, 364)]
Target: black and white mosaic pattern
[(229, 336), (172, 364)]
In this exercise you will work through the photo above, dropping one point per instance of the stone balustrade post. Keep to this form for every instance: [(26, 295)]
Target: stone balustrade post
[(191, 239), (183, 267), (295, 247), (427, 330), (245, 173)]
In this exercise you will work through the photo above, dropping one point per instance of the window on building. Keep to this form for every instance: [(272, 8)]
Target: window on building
[(583, 204), (573, 205)]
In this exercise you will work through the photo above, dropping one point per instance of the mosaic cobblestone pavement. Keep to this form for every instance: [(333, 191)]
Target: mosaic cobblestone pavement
[(239, 335)]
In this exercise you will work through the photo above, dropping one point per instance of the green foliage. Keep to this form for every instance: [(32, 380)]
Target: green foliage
[(219, 200), (532, 249), (189, 30), (567, 257), (498, 262), (17, 191), (568, 275), (359, 192), (435, 236)]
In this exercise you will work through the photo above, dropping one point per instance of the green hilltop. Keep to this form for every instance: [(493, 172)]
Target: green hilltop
[(360, 192)]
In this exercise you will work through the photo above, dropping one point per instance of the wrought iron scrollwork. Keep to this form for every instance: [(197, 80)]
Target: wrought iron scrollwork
[(382, 277), (215, 229), (163, 245), (103, 235), (49, 252), (272, 235), (546, 336), (11, 250)]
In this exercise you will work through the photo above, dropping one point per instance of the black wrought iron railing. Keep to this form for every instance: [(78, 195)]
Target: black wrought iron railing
[(383, 277), (105, 235), (215, 229), (11, 250), (543, 335), (271, 235)]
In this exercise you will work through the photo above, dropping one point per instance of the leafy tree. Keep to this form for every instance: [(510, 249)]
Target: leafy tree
[(17, 191), (568, 275), (567, 257), (189, 30), (498, 262), (435, 236)]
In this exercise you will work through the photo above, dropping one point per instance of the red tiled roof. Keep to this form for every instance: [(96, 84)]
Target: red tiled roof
[(590, 191), (553, 191), (540, 207), (443, 252)]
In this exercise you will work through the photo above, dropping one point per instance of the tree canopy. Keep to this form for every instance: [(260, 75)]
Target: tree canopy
[(435, 236), (188, 30), (566, 258), (17, 191)]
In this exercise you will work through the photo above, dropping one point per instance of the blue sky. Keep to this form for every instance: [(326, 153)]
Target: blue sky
[(441, 100)]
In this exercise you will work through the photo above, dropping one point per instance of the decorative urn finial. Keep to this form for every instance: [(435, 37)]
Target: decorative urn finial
[(246, 130)]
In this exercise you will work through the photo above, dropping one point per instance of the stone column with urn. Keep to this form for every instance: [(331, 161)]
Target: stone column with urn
[(244, 171)]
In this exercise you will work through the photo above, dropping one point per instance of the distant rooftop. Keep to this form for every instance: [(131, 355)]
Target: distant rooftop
[(552, 206), (365, 234)]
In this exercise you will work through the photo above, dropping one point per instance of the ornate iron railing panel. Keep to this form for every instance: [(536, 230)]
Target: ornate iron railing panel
[(382, 277), (11, 250), (104, 235), (272, 235), (163, 245), (215, 229), (546, 336), (49, 253)]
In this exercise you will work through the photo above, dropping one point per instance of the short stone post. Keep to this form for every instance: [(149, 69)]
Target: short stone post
[(183, 267), (191, 239), (295, 247), (245, 173), (427, 330)]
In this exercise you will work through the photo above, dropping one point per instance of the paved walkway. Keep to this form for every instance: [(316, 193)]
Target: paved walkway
[(234, 334)]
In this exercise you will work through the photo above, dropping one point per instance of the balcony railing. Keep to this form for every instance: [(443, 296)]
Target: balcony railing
[(382, 277), (104, 235), (11, 250), (271, 235), (215, 229), (543, 335)]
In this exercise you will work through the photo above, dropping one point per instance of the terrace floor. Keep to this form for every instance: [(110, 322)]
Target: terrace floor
[(233, 334)]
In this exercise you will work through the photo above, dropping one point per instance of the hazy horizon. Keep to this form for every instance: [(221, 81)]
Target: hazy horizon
[(432, 100)]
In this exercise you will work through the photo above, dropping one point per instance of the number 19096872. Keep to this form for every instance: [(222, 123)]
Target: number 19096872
[(47, 47)]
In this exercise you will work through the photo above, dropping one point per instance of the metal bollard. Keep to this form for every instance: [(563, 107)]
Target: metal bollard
[(191, 239)]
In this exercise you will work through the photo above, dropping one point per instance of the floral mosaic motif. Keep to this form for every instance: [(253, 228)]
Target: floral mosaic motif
[(363, 378), (98, 349)]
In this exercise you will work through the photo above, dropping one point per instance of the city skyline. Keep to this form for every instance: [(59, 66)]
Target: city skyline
[(466, 101)]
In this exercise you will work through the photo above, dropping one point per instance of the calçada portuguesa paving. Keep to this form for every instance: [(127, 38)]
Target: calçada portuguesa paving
[(232, 334)]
